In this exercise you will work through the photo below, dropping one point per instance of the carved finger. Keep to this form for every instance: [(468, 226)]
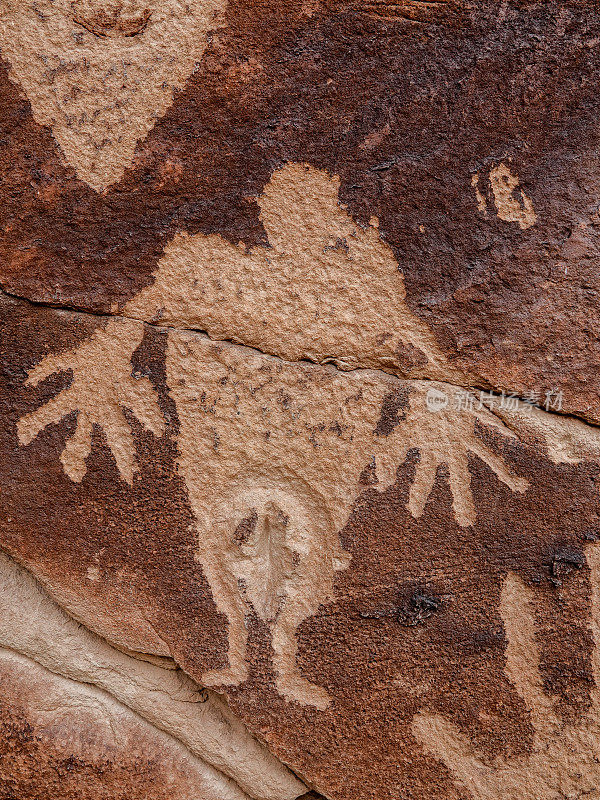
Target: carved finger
[(49, 365), (422, 484), (460, 485), (522, 655), (120, 440), (77, 449), (443, 740), (498, 466), (29, 426), (141, 398)]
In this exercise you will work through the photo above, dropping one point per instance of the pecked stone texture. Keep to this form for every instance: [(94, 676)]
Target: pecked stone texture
[(305, 501), (291, 293)]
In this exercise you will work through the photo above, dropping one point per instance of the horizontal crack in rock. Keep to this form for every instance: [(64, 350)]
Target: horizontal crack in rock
[(468, 386)]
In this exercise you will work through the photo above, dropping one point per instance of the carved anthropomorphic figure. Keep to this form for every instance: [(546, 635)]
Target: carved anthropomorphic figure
[(288, 291), (273, 451)]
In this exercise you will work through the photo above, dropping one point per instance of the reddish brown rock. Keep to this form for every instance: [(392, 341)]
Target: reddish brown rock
[(300, 398), (84, 692)]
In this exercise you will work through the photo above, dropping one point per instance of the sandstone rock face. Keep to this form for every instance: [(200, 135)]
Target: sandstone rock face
[(299, 430)]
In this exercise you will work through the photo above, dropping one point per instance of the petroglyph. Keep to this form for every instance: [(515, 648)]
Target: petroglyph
[(100, 73), (512, 204), (32, 625), (272, 452), (325, 289), (565, 758), (268, 556), (247, 262), (447, 437), (102, 386)]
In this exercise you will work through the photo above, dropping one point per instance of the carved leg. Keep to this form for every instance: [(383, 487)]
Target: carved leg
[(303, 603), (229, 601)]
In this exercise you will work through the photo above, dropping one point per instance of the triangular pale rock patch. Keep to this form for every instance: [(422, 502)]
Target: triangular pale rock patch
[(100, 73)]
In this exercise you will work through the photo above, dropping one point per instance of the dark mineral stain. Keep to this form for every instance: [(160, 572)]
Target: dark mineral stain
[(414, 611), (393, 411), (563, 563)]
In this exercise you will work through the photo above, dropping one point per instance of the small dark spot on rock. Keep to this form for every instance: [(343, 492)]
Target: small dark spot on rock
[(340, 244), (246, 528), (336, 428), (418, 607), (409, 356), (383, 166), (563, 563)]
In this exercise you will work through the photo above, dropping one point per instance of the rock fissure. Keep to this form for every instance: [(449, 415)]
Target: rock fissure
[(493, 391), (283, 419), (7, 653), (166, 699)]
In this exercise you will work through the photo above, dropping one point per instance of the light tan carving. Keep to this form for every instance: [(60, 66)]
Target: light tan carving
[(278, 448), (267, 555), (512, 204), (565, 758), (325, 289), (100, 73), (272, 452), (446, 436), (32, 625), (102, 386)]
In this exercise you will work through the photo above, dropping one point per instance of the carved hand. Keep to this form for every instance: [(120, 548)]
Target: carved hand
[(102, 386)]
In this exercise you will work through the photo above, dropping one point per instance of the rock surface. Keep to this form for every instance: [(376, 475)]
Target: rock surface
[(299, 399)]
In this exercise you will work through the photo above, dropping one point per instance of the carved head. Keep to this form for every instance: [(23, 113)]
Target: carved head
[(100, 73)]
